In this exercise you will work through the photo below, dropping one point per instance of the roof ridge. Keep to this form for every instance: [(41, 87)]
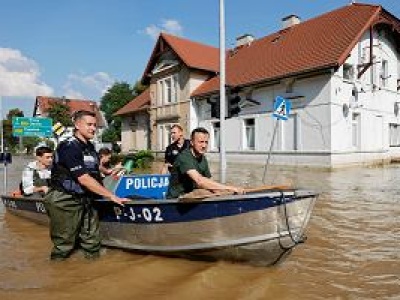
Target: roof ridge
[(282, 31), (168, 35), (65, 98), (365, 4)]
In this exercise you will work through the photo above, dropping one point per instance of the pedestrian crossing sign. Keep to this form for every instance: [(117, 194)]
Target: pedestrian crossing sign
[(281, 108)]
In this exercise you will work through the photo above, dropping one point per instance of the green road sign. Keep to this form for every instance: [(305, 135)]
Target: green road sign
[(26, 126)]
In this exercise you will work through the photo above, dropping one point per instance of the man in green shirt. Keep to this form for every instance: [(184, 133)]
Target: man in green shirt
[(190, 170)]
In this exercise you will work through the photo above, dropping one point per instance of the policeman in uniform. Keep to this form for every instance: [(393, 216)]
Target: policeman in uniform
[(179, 143), (75, 183)]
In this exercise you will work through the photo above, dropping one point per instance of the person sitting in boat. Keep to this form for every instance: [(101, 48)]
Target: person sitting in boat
[(191, 171), (36, 175), (179, 143), (104, 166)]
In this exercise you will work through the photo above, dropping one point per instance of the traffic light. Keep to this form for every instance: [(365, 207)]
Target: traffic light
[(215, 108), (233, 106)]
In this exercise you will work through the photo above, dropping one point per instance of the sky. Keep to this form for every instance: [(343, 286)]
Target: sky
[(79, 48)]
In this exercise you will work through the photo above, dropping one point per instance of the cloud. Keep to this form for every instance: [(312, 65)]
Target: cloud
[(95, 85), (167, 25), (172, 26), (20, 76)]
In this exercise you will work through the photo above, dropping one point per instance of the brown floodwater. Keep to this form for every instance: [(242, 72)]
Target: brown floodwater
[(352, 251)]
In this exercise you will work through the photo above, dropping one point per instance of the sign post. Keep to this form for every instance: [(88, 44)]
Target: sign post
[(281, 111)]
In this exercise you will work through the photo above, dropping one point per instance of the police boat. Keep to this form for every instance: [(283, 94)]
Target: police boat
[(260, 227)]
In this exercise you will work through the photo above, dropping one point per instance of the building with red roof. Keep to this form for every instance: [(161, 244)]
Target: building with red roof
[(339, 70), (135, 123), (43, 103)]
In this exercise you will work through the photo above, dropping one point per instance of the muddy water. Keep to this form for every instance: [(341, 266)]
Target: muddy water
[(352, 251)]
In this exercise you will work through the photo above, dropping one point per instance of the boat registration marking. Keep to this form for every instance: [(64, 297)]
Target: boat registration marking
[(40, 207), (10, 203), (153, 214)]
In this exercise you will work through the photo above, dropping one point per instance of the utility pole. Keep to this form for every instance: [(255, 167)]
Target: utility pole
[(222, 92)]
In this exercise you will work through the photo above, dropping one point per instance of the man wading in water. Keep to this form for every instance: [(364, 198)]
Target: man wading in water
[(75, 183)]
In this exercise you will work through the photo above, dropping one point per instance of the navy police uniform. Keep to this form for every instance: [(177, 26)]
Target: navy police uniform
[(173, 150), (73, 220)]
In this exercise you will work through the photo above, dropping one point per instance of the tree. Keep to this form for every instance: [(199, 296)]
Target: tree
[(14, 112), (9, 140), (115, 98), (60, 112), (30, 142)]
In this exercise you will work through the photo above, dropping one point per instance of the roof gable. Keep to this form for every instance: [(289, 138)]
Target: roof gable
[(193, 54)]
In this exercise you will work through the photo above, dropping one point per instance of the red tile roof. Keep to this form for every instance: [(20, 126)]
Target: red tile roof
[(193, 54), (319, 43), (141, 102), (44, 103)]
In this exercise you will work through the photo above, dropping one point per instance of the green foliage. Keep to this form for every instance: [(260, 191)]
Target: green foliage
[(11, 142), (141, 159), (110, 135), (60, 112), (14, 112), (115, 98), (29, 143)]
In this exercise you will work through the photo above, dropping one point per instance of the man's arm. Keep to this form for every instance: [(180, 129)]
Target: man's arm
[(91, 184), (27, 181), (167, 160), (209, 184), (105, 170)]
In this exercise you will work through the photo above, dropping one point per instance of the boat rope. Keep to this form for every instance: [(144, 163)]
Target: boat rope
[(295, 240)]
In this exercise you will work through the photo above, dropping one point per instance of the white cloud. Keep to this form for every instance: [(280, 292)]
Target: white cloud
[(20, 76), (172, 26), (78, 85), (153, 31), (168, 25)]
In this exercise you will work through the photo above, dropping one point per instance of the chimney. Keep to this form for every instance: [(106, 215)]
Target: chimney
[(244, 40), (289, 21)]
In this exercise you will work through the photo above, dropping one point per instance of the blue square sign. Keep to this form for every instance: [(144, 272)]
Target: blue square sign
[(281, 108)]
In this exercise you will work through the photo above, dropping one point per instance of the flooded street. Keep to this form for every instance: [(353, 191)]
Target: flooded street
[(352, 251)]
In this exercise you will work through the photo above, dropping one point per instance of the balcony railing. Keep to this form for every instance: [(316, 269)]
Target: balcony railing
[(167, 111)]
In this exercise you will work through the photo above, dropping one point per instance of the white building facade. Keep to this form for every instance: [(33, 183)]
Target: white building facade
[(338, 118)]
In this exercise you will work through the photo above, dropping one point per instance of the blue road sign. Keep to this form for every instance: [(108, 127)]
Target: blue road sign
[(281, 108), (27, 126)]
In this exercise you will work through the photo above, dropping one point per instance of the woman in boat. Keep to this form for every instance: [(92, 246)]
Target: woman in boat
[(105, 167), (191, 170), (179, 143), (75, 183), (36, 175)]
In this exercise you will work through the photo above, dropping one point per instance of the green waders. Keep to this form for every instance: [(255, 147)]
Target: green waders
[(73, 222)]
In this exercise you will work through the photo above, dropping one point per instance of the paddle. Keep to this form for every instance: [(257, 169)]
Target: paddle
[(268, 188), (203, 194)]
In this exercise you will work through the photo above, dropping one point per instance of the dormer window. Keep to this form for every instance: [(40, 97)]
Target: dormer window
[(348, 72)]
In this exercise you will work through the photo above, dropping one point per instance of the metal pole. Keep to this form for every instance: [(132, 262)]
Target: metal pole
[(1, 124), (2, 148), (222, 155), (270, 150)]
